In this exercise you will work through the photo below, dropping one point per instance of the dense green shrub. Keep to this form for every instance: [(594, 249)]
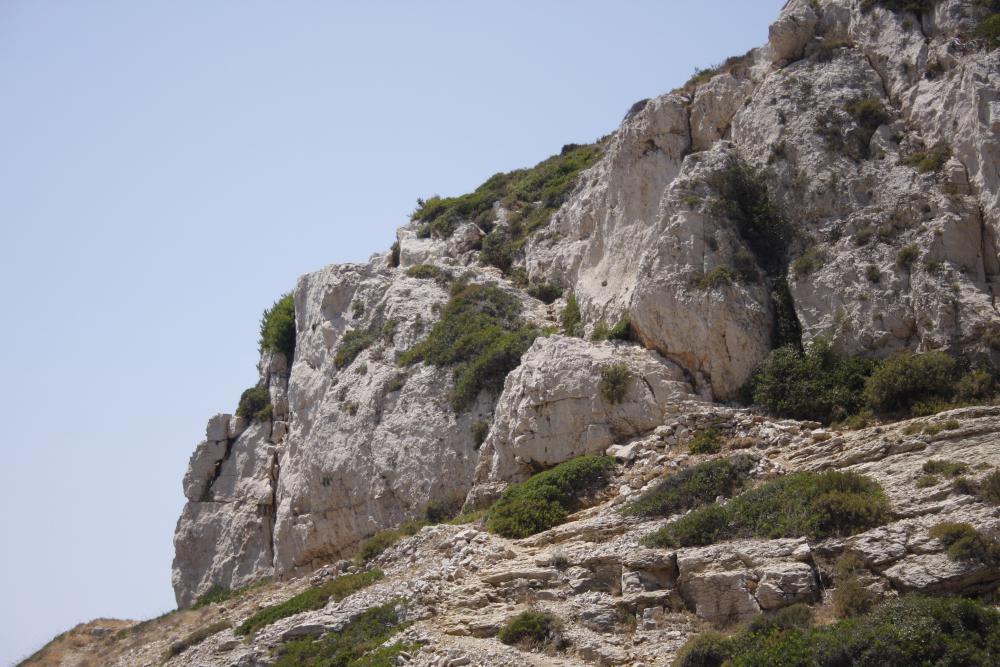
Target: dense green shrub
[(614, 382), (255, 403), (817, 505), (906, 256), (944, 467), (545, 499), (693, 486), (816, 385), (314, 598), (989, 488), (394, 255), (905, 379), (911, 630), (989, 31), (360, 643), (708, 441), (498, 250), (545, 292), (481, 335), (572, 323), (976, 384), (531, 195), (531, 630), (277, 328), (744, 199), (927, 161), (480, 429)]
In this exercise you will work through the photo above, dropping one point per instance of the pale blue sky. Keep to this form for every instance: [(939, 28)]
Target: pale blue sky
[(167, 169)]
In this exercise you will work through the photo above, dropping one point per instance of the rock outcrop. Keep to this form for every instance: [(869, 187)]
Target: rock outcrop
[(870, 139)]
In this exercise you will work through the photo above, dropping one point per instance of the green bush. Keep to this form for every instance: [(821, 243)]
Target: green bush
[(614, 382), (816, 385), (796, 616), (309, 600), (975, 385), (394, 255), (907, 255), (905, 379), (255, 403), (811, 260), (868, 113), (744, 199), (531, 195), (944, 468), (850, 597), (989, 488), (966, 543), (927, 161), (217, 594), (816, 505), (873, 274), (694, 486), (428, 272), (352, 343), (480, 429), (572, 323), (708, 441), (706, 649), (545, 499), (545, 292), (720, 276), (498, 250), (277, 328), (989, 31), (481, 335), (531, 630), (360, 643)]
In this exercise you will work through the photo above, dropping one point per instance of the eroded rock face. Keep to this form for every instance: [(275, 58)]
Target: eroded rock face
[(360, 446)]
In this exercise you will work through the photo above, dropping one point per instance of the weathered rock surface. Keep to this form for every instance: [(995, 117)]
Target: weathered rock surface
[(355, 447)]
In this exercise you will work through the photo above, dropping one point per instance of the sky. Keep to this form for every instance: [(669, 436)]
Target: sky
[(168, 168)]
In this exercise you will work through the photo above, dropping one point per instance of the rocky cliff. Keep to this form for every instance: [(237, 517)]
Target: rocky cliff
[(839, 183)]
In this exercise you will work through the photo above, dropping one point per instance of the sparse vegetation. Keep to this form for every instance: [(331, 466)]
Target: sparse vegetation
[(944, 468), (817, 505), (614, 382), (195, 638), (906, 256), (255, 403), (927, 161), (352, 343), (865, 115), (429, 272), (912, 630), (572, 323), (360, 643), (314, 598), (811, 260), (720, 276), (708, 441), (375, 545), (481, 335), (966, 543), (989, 488), (480, 429), (545, 499), (694, 486), (217, 594), (532, 630), (277, 328), (531, 195), (744, 199)]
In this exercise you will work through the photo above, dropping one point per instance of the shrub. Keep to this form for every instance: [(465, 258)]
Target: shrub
[(868, 113), (928, 481), (943, 467), (964, 542), (428, 272), (352, 343), (531, 195), (255, 403), (811, 260), (614, 382), (498, 250), (817, 505), (693, 486), (481, 335), (394, 255), (314, 598), (622, 330), (360, 643), (708, 441), (375, 545), (851, 598), (277, 328), (720, 276), (816, 385), (744, 199), (989, 488), (707, 649), (545, 292), (974, 385), (796, 616), (905, 379), (989, 31), (530, 630), (217, 594), (572, 323), (395, 383), (480, 429), (911, 630), (196, 637), (600, 332), (907, 256), (545, 499), (873, 274), (927, 161)]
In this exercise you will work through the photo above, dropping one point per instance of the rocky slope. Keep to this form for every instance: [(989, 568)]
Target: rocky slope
[(865, 139), (621, 603)]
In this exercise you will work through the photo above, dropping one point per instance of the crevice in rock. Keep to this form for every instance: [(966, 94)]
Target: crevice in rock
[(207, 495), (885, 85), (272, 510)]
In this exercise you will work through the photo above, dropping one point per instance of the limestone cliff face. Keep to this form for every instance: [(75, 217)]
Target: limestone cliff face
[(355, 447)]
